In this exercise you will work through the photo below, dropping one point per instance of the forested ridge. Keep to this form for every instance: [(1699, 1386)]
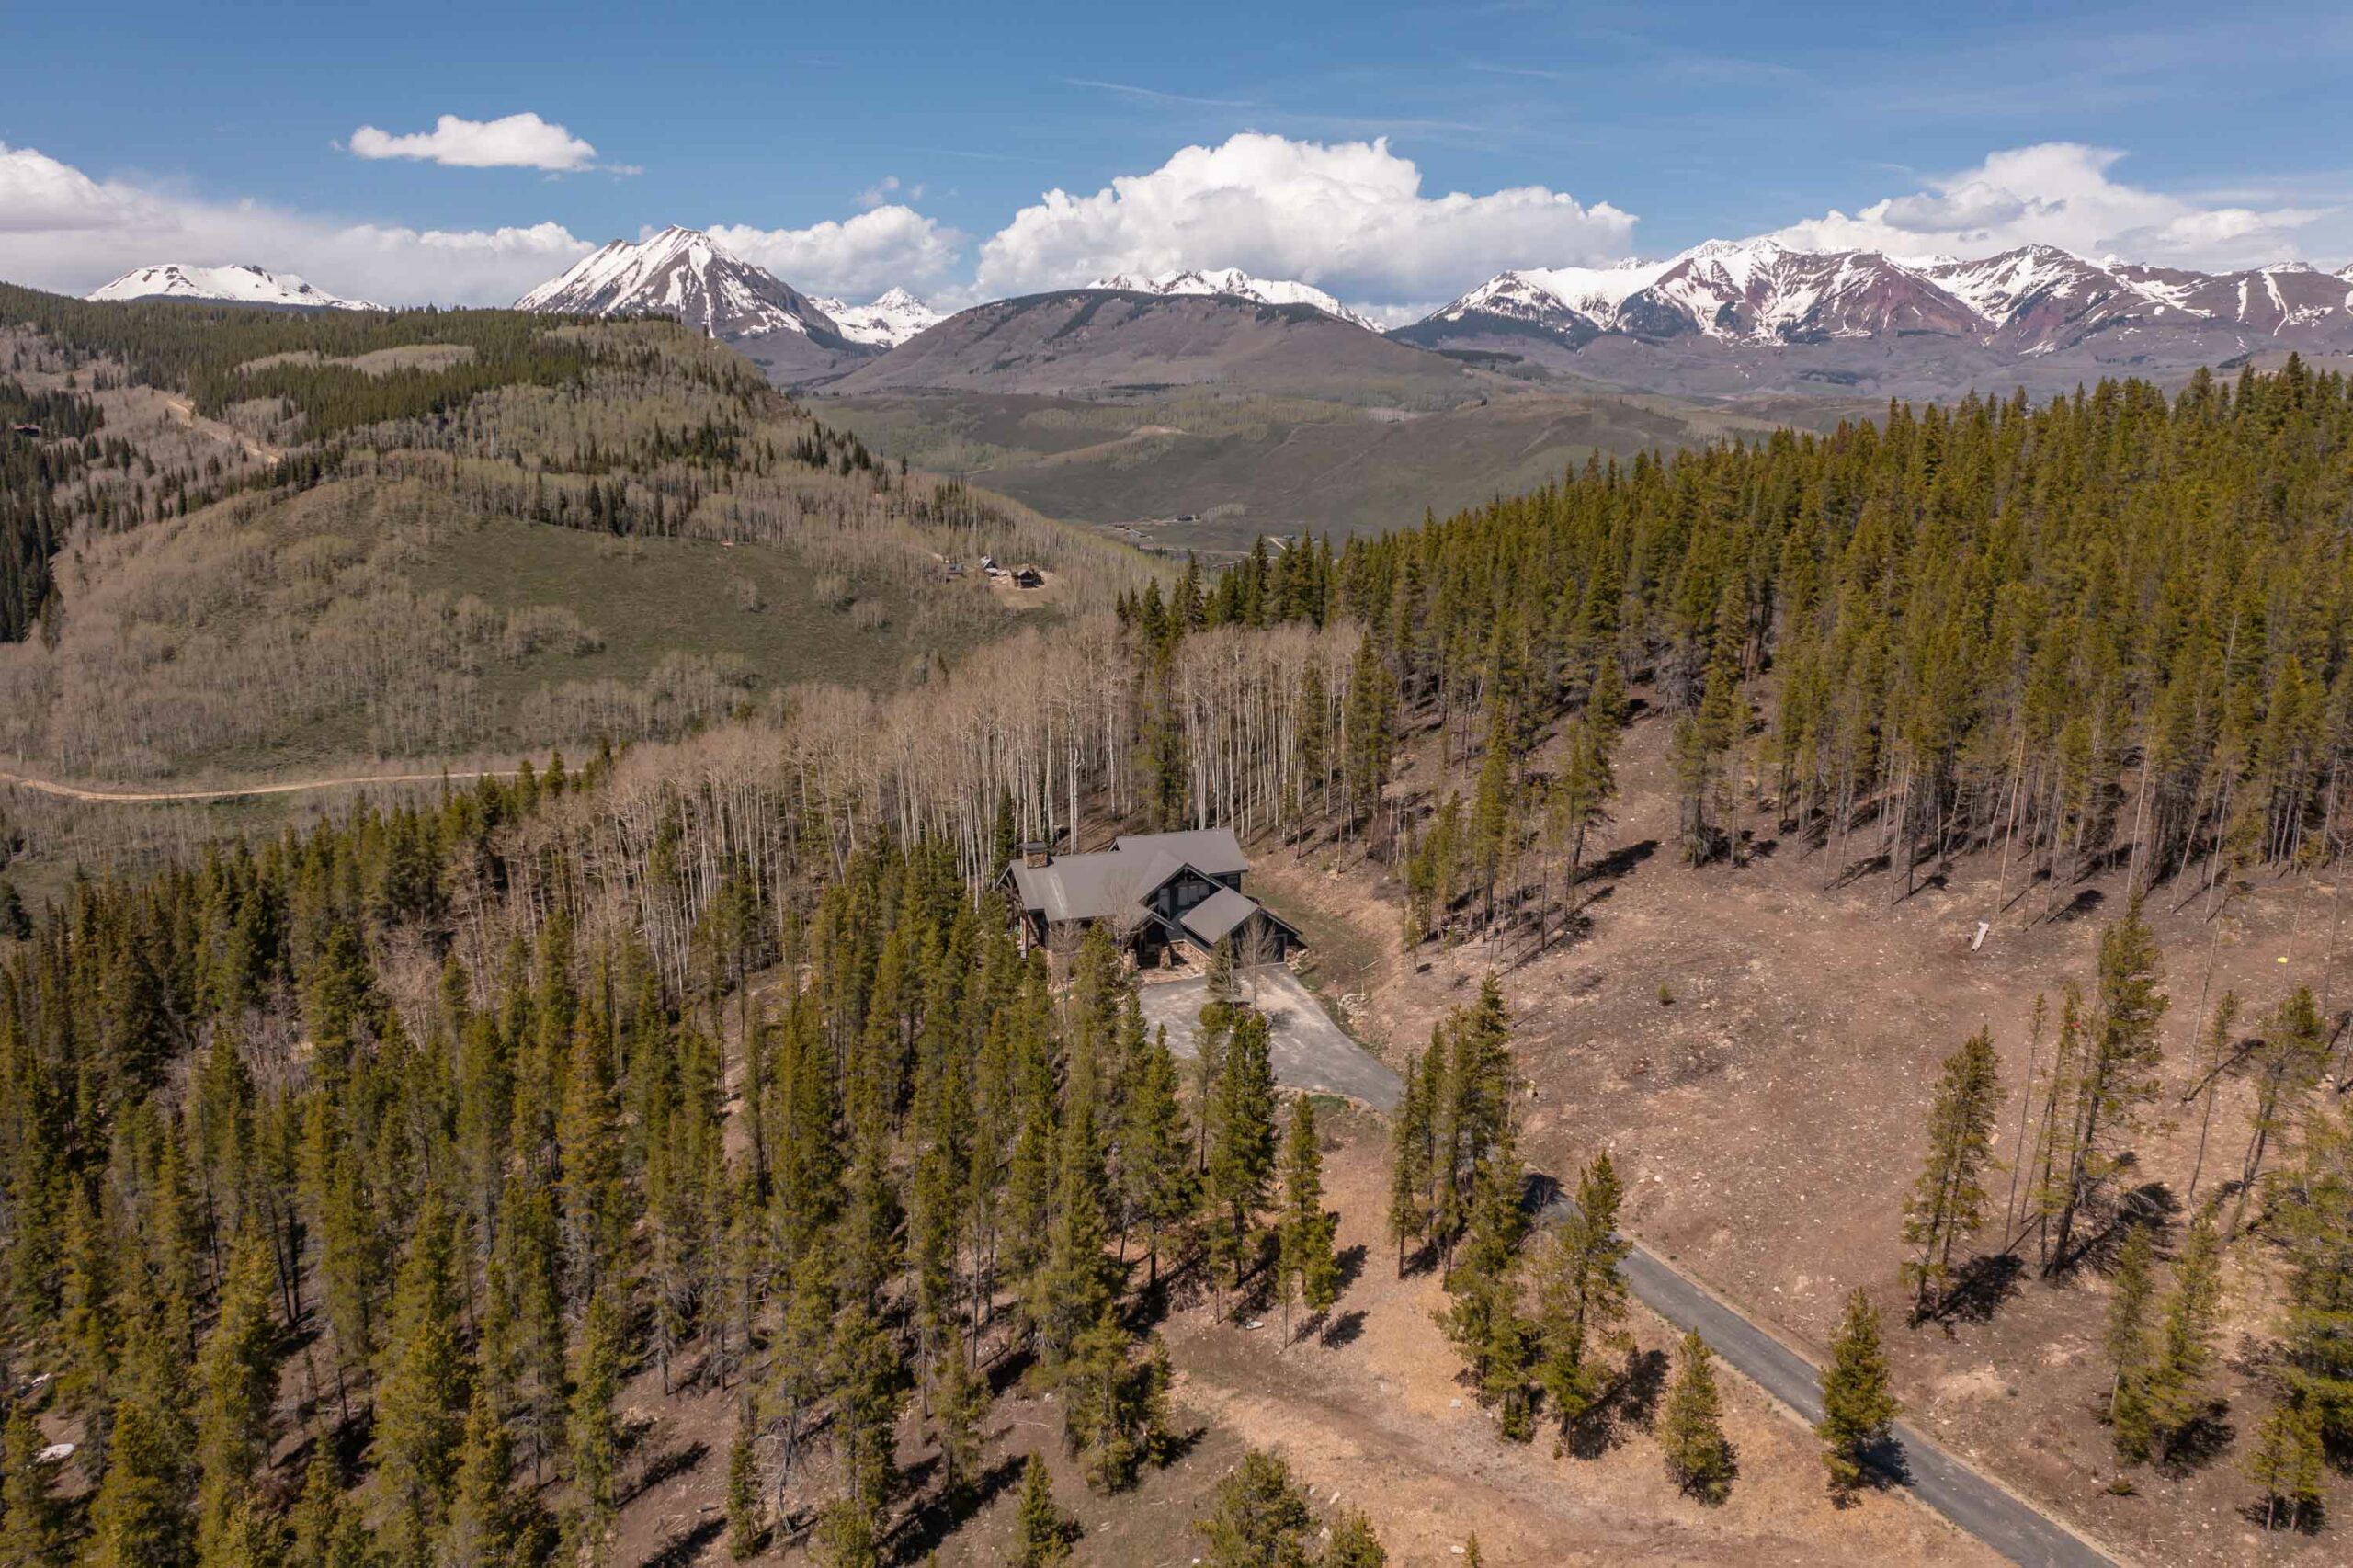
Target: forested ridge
[(319, 1235), (312, 589), (2116, 619)]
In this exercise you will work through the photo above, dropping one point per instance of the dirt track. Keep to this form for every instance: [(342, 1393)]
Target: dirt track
[(150, 797)]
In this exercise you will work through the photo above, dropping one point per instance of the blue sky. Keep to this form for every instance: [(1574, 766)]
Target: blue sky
[(2193, 135)]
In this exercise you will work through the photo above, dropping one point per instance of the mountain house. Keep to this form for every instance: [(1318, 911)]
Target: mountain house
[(1164, 896)]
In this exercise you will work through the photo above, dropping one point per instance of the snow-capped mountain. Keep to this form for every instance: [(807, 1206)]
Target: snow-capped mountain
[(2032, 301), (245, 285), (1240, 285), (686, 274), (885, 322)]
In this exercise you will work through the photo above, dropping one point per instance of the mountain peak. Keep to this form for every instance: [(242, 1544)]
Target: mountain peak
[(886, 320), (685, 273), (1234, 283), (240, 284)]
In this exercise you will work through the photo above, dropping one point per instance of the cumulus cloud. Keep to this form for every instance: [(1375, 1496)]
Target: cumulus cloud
[(512, 141), (2058, 193), (60, 228), (855, 257), (1349, 217)]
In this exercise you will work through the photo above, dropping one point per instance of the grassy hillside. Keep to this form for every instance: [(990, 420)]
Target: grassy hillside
[(1245, 464), (326, 541)]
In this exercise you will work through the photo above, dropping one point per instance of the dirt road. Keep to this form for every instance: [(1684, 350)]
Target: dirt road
[(185, 412), (135, 796)]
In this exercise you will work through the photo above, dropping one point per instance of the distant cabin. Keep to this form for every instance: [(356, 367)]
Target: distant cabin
[(1029, 578), (1165, 895)]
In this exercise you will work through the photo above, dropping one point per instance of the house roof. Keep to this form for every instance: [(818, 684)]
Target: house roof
[(1089, 887), (1214, 850), (1215, 917), (1222, 913)]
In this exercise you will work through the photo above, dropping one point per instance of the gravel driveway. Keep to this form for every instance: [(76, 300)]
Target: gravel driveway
[(1310, 1051)]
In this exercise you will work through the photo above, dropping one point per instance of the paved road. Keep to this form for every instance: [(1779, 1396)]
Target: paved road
[(1312, 1052), (1309, 1051), (1978, 1505)]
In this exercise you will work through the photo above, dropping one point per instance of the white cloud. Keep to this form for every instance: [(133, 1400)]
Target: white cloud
[(1349, 217), (39, 194), (2059, 193), (856, 257), (883, 189), (512, 141), (60, 228)]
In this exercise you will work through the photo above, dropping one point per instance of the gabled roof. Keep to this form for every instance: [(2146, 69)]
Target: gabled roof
[(1215, 917), (1213, 850), (1089, 887)]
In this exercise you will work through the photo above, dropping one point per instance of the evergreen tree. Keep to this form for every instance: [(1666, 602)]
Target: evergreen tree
[(1242, 1154), (2315, 1222), (2116, 1075), (2286, 1462), (1307, 1269), (2183, 1357), (1698, 1456), (1483, 1319), (237, 1372), (32, 1520), (1857, 1407), (246, 1536), (482, 1522), (2129, 1418), (1581, 1299), (420, 1410), (141, 1516), (1413, 1133), (746, 1531), (328, 1532), (594, 1431), (959, 1403), (1261, 1519), (1352, 1543), (1156, 1168), (1949, 1200), (869, 1374), (1042, 1533)]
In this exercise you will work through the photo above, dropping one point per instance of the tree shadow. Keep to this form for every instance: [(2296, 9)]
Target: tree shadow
[(1539, 1194), (2151, 1204), (1619, 861), (687, 1546), (2308, 1520), (1980, 1288), (665, 1467), (1343, 1330), (926, 1529), (2207, 1437), (1885, 1466), (1856, 870), (2086, 903), (1009, 1368), (1630, 1407), (1351, 1260)]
